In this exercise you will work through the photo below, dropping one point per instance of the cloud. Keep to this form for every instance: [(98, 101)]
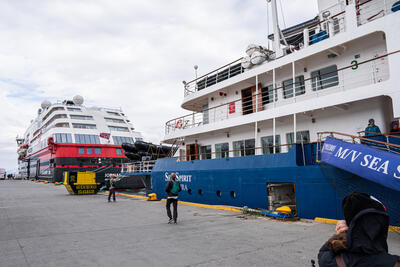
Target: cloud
[(129, 54)]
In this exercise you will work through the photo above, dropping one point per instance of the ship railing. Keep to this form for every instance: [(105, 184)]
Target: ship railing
[(371, 71), (221, 74), (323, 30), (382, 143), (138, 167), (375, 9), (242, 152)]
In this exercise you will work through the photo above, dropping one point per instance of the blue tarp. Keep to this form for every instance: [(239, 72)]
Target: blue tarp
[(373, 164)]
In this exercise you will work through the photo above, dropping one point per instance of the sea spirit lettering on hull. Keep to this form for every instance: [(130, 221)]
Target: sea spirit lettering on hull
[(373, 164), (183, 179)]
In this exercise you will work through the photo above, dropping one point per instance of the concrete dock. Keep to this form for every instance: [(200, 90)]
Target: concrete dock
[(42, 225)]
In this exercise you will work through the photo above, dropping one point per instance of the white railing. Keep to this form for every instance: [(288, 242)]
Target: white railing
[(221, 74), (375, 9), (139, 166), (323, 30), (358, 74)]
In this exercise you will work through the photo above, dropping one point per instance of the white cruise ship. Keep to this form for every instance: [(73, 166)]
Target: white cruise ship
[(70, 136)]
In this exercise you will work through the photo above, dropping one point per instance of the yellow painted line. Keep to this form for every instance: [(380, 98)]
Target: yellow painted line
[(226, 208), (332, 221), (325, 220), (128, 195)]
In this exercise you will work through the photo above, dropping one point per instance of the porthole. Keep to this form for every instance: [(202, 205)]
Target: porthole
[(233, 194), (200, 191), (189, 191), (219, 193)]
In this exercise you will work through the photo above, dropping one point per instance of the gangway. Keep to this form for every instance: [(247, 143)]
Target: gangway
[(376, 158)]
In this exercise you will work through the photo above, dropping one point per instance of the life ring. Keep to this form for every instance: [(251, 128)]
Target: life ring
[(179, 124)]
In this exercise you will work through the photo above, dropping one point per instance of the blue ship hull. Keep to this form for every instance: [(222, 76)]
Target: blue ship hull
[(319, 188)]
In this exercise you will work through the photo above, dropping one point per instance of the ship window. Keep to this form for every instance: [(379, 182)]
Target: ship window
[(238, 148), (81, 150), (267, 144), (325, 78), (114, 120), (63, 138), (244, 148), (119, 129), (288, 87), (89, 150), (74, 109), (84, 126), (119, 151), (268, 94), (222, 150), (219, 193), (301, 136), (249, 146), (97, 150), (87, 139), (233, 194), (138, 138), (119, 140), (81, 117), (205, 152), (113, 113)]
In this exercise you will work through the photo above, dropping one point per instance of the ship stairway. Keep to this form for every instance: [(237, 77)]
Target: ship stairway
[(373, 157), (175, 146)]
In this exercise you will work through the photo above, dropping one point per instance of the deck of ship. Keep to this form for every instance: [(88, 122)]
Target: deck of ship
[(41, 225)]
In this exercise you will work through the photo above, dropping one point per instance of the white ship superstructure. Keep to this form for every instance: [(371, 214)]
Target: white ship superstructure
[(331, 73)]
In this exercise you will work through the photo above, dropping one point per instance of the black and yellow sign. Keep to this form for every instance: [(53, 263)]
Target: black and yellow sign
[(81, 183)]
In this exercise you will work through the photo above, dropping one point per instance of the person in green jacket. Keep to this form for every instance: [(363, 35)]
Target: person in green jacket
[(372, 129), (172, 189)]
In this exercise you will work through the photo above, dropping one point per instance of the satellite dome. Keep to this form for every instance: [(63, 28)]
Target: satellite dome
[(45, 104), (78, 100)]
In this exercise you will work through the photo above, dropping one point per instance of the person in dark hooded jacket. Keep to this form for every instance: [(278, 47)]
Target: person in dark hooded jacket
[(365, 241)]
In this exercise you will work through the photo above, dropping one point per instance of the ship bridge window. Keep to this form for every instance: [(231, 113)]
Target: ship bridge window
[(63, 138), (268, 144), (87, 139), (119, 140), (89, 150), (81, 150), (222, 150), (119, 129), (118, 151), (97, 150), (325, 78), (288, 87), (139, 139), (84, 126), (114, 120), (268, 94), (205, 152), (81, 117)]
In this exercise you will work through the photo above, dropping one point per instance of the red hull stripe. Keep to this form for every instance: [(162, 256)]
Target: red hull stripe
[(85, 166)]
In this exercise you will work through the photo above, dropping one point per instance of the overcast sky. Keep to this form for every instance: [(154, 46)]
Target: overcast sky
[(126, 53)]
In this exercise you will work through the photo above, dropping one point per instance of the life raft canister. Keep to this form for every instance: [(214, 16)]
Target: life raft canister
[(179, 124)]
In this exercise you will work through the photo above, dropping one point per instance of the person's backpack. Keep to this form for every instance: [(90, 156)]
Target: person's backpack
[(175, 188)]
